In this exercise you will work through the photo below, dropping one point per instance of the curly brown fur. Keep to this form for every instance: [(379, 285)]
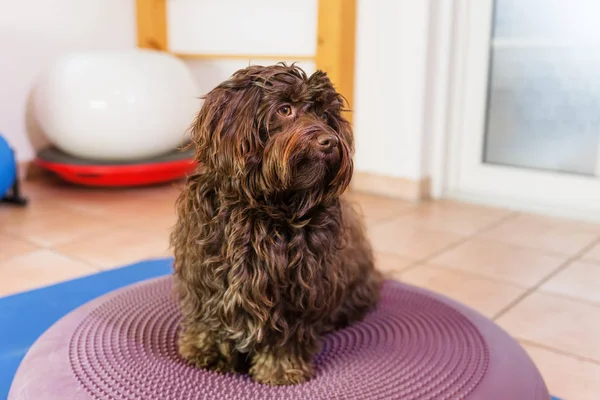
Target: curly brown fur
[(268, 256)]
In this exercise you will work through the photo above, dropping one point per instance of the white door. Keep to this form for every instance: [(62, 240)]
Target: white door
[(524, 111)]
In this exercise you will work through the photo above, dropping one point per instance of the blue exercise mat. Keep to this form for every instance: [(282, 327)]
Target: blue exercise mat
[(25, 316)]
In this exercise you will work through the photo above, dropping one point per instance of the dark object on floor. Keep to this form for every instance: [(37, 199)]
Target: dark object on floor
[(416, 345), (168, 167), (10, 191)]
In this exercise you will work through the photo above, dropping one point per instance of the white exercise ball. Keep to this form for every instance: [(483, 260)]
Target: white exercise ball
[(117, 105)]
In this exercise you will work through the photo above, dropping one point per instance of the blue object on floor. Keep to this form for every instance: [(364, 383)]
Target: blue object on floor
[(8, 171), (25, 316)]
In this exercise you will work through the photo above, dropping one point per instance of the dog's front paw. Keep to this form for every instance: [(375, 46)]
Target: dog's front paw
[(273, 370), (202, 351)]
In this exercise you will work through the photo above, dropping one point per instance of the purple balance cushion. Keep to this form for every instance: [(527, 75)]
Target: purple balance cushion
[(416, 345)]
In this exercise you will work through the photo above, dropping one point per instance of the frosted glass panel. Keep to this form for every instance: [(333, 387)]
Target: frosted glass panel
[(547, 19), (544, 89), (243, 27)]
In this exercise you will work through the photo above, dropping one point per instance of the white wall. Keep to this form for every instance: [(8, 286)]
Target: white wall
[(243, 27), (240, 27), (34, 32), (390, 87), (209, 73)]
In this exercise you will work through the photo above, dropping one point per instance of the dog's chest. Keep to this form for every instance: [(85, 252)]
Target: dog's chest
[(301, 265)]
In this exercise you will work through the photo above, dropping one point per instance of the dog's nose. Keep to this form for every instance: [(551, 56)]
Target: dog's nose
[(327, 142)]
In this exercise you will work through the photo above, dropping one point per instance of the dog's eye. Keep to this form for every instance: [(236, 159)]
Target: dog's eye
[(325, 117), (285, 111)]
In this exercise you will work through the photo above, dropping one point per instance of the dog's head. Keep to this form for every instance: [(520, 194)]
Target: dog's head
[(276, 133)]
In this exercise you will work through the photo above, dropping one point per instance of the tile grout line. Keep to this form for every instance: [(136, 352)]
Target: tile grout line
[(589, 261), (384, 220), (476, 275), (25, 239), (85, 236), (551, 275), (557, 351), (493, 280), (98, 266), (459, 242), (417, 263), (93, 270), (569, 297), (93, 266), (511, 215), (538, 250), (53, 247)]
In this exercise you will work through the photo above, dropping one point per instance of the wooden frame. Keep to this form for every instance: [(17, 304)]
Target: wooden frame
[(151, 16), (335, 40)]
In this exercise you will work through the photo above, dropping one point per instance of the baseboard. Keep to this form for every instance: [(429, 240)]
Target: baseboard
[(400, 188)]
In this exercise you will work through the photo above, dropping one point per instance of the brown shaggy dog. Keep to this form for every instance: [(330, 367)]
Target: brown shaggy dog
[(268, 257)]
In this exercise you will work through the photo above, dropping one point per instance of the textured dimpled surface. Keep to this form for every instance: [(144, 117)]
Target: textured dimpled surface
[(412, 347)]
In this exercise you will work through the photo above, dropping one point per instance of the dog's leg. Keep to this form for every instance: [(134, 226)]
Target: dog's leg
[(287, 365), (204, 350), (357, 261), (362, 298)]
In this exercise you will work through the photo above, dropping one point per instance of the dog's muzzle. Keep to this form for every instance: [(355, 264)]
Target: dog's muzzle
[(326, 143)]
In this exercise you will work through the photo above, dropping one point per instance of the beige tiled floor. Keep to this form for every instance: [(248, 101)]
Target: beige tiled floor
[(485, 295), (538, 277), (496, 260)]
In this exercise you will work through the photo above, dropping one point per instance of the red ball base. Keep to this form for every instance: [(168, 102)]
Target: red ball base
[(162, 169)]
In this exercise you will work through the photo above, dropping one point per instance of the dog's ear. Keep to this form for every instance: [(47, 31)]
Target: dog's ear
[(226, 130)]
